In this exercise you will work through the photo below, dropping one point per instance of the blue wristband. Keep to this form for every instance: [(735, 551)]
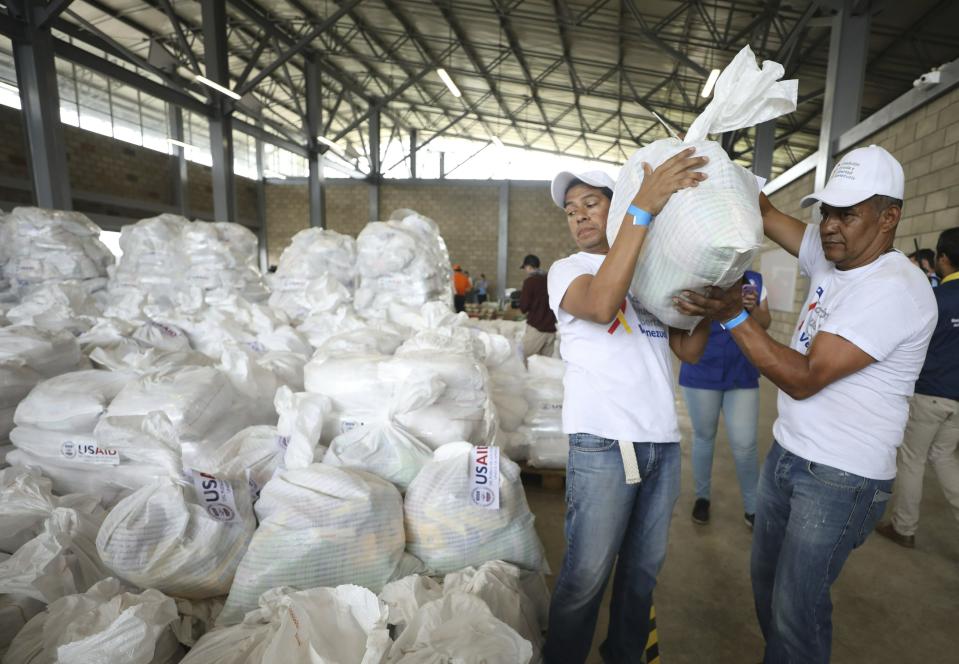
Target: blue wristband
[(640, 217), (737, 320)]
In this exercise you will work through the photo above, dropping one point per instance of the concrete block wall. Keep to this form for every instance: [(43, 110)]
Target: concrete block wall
[(287, 213), (467, 212), (926, 142), (536, 226), (102, 166)]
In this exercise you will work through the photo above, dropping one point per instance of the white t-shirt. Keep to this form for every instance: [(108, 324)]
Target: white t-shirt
[(885, 308), (618, 381)]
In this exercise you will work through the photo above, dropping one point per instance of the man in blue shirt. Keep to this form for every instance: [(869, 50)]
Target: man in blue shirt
[(933, 429)]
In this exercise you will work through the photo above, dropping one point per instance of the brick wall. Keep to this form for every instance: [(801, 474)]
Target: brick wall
[(102, 166), (467, 212), (536, 226), (926, 142)]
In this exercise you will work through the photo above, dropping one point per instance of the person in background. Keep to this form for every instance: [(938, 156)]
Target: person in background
[(619, 411), (540, 332), (481, 287), (461, 286), (724, 380), (925, 260), (932, 432), (844, 385)]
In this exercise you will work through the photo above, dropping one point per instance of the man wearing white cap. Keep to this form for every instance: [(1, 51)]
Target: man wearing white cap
[(619, 411), (844, 386)]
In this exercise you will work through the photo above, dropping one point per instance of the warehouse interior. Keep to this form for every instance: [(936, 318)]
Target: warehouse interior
[(314, 121)]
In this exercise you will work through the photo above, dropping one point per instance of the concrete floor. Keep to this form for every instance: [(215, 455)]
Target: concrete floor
[(890, 604)]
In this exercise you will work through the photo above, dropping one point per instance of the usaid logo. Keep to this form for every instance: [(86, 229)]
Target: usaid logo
[(88, 452), (483, 497), (484, 477)]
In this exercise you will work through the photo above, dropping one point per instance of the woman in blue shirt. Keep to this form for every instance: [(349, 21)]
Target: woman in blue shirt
[(724, 380)]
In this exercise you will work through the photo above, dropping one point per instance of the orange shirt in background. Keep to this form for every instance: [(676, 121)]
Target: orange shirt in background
[(461, 283)]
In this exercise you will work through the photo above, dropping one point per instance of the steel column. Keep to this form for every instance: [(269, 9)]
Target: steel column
[(315, 156), (40, 101), (413, 153), (502, 239), (375, 166), (846, 70), (765, 144), (262, 233), (179, 172), (221, 124)]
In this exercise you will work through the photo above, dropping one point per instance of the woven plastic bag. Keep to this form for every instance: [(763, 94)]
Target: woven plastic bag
[(316, 626), (101, 626), (319, 526), (459, 628), (447, 531), (183, 536), (383, 446), (705, 235)]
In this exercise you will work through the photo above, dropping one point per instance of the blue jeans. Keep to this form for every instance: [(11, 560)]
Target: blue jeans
[(605, 517), (741, 411), (810, 518)]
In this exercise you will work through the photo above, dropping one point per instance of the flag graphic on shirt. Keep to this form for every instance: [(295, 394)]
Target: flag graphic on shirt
[(620, 320)]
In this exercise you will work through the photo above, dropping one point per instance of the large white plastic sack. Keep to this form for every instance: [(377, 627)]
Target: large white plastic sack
[(315, 272), (44, 246), (104, 625), (183, 536), (167, 255), (56, 305), (705, 235), (201, 403), (459, 628), (319, 526), (55, 431), (122, 455), (383, 446), (341, 625), (547, 445), (50, 539), (27, 356), (405, 596), (150, 360), (351, 382), (257, 452), (15, 612), (402, 260), (448, 532), (70, 402), (500, 586)]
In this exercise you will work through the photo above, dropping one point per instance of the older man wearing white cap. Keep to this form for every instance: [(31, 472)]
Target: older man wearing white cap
[(618, 409), (844, 381)]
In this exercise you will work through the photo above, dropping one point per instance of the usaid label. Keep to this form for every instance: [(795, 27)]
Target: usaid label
[(349, 425), (215, 496), (87, 451), (484, 477)]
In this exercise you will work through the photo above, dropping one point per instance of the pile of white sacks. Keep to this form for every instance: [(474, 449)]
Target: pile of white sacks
[(210, 479), (403, 260), (41, 247), (168, 256)]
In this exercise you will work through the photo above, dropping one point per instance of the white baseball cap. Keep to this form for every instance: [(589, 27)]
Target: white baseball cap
[(861, 174), (562, 181)]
